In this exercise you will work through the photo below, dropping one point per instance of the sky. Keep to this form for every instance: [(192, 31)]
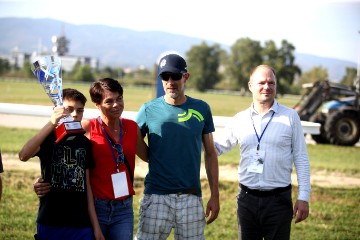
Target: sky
[(319, 27)]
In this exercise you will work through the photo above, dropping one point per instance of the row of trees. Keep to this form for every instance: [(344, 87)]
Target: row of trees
[(81, 73), (205, 61), (211, 68), (210, 65)]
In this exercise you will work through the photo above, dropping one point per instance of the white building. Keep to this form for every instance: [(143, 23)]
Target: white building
[(17, 58)]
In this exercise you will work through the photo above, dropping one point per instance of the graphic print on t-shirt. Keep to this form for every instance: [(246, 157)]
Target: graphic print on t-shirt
[(68, 169), (190, 113)]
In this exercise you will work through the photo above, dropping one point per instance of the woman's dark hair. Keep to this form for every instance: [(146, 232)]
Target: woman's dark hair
[(97, 89)]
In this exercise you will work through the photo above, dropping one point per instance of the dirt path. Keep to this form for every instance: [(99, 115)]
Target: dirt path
[(227, 173)]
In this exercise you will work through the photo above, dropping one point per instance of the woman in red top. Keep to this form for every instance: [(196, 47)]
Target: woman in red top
[(115, 141)]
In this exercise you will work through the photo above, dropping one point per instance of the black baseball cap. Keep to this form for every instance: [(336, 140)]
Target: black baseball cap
[(172, 63)]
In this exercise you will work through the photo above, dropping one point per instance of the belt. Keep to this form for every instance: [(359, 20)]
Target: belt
[(193, 191), (264, 193), (113, 201)]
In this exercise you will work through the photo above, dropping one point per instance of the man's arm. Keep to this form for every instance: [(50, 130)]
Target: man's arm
[(227, 139), (212, 172), (141, 147), (302, 166)]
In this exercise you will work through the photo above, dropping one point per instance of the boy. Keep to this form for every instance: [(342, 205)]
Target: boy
[(67, 211)]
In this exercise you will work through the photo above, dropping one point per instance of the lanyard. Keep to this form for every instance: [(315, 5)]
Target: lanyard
[(259, 138), (117, 147)]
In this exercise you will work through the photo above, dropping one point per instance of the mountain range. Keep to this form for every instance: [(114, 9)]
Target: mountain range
[(115, 46)]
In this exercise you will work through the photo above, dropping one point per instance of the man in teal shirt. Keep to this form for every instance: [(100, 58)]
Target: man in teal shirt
[(177, 127)]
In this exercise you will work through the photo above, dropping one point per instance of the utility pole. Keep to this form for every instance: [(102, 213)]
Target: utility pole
[(61, 44)]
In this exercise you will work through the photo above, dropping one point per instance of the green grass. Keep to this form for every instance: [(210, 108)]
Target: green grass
[(30, 92), (334, 212), (331, 158), (12, 139), (19, 205)]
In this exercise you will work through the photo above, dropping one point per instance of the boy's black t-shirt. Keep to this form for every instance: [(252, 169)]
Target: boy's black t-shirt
[(64, 166)]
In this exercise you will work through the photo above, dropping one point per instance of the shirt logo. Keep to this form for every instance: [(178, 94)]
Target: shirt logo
[(183, 117)]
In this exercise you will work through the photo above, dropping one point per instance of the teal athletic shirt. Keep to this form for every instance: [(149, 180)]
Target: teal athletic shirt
[(175, 143)]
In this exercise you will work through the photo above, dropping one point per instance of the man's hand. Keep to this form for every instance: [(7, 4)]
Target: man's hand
[(301, 210), (41, 188), (212, 209)]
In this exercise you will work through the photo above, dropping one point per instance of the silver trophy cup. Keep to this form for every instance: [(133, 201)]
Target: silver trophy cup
[(47, 70)]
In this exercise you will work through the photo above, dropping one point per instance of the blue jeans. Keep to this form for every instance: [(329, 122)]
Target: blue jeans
[(116, 218)]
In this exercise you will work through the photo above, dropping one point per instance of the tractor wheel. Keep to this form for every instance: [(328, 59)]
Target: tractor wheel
[(343, 128), (319, 118)]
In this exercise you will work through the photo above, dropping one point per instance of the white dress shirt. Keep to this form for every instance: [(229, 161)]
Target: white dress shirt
[(282, 141)]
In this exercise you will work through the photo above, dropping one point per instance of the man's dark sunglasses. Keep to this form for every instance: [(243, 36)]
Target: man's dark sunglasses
[(174, 76)]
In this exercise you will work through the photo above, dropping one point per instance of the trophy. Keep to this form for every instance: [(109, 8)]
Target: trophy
[(48, 71)]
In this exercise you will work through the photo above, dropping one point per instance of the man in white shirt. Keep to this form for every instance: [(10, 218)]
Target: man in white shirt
[(271, 140)]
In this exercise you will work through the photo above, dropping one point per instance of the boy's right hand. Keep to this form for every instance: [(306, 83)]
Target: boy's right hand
[(58, 113), (41, 188)]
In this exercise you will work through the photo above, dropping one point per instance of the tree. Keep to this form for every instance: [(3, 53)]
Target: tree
[(4, 66), (116, 73), (317, 73), (282, 60), (76, 67), (244, 56), (349, 77), (26, 70), (203, 64), (84, 74)]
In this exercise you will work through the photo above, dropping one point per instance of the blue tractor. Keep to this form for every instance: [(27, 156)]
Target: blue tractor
[(336, 107)]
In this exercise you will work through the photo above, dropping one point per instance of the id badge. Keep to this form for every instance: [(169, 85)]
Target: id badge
[(120, 184), (257, 162)]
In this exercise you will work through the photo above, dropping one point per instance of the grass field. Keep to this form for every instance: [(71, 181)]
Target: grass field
[(31, 92), (334, 212)]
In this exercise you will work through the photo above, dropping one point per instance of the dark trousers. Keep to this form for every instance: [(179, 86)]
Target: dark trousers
[(264, 217)]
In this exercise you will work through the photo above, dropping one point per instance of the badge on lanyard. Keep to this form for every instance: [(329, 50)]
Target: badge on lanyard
[(120, 184), (257, 155), (257, 161), (119, 179)]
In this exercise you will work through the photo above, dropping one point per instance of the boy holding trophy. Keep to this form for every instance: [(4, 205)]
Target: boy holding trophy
[(67, 211)]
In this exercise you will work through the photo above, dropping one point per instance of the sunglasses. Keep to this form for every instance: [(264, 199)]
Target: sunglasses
[(174, 76)]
